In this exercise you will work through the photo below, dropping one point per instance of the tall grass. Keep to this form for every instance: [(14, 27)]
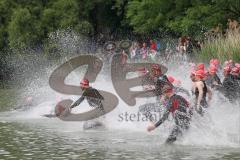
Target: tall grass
[(224, 48)]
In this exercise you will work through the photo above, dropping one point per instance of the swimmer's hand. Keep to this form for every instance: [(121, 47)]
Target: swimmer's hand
[(151, 127), (64, 113)]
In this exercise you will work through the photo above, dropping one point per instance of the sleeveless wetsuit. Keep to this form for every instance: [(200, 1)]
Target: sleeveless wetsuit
[(213, 78), (203, 102)]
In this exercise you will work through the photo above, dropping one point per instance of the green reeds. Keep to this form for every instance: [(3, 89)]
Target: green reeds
[(223, 47)]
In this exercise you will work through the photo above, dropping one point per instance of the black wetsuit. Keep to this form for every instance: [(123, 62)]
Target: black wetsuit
[(230, 88), (147, 80), (160, 82), (237, 83), (93, 97), (214, 78), (203, 102), (181, 90), (178, 106)]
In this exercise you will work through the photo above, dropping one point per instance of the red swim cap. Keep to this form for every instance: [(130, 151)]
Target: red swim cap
[(214, 62), (227, 69), (237, 65), (200, 74), (84, 83), (235, 70), (212, 69), (200, 66), (171, 79)]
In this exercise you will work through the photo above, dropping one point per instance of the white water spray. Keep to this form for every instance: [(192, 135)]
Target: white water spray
[(220, 126)]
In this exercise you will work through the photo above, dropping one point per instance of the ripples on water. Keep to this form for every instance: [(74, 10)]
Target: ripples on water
[(27, 140)]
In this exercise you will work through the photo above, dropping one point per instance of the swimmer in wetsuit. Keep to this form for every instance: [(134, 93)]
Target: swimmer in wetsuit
[(201, 91), (213, 80), (230, 87), (160, 80), (93, 97), (179, 108)]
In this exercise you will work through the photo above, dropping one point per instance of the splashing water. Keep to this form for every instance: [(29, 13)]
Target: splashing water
[(219, 127)]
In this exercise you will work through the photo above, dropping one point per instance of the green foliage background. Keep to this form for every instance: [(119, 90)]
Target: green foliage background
[(28, 23), (25, 23)]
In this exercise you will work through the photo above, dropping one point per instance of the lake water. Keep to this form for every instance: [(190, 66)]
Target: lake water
[(43, 138)]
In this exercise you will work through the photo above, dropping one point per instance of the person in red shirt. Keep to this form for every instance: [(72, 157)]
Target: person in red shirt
[(153, 45)]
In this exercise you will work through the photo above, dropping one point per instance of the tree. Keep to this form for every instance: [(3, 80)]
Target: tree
[(24, 30), (63, 14), (5, 16), (186, 17), (146, 16)]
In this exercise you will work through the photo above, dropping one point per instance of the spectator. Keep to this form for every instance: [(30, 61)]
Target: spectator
[(183, 45), (153, 45), (144, 51), (133, 50)]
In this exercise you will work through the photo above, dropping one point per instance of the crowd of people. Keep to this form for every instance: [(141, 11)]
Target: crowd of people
[(145, 51), (230, 84), (187, 44), (155, 49), (204, 83)]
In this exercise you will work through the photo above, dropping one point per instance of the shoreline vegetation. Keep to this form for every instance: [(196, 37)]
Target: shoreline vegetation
[(223, 47)]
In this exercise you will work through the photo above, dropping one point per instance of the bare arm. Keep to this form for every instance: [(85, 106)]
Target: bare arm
[(199, 86)]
